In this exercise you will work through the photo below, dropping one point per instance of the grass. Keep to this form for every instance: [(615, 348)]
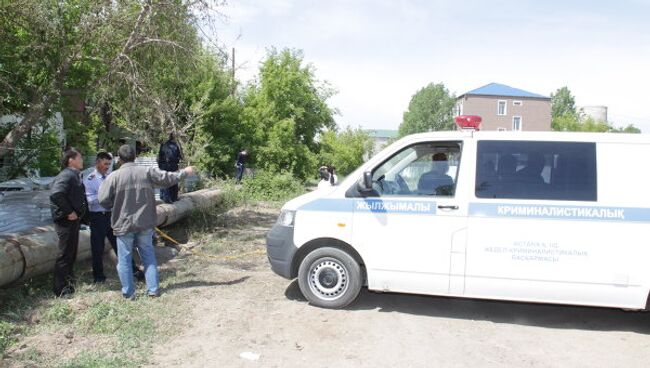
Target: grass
[(6, 338), (105, 329), (91, 359), (97, 317)]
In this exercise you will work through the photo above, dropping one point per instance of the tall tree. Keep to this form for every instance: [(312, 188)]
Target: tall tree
[(430, 109), (563, 103), (345, 150), (285, 111), (103, 48)]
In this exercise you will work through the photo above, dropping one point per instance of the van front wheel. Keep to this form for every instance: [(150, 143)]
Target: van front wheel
[(329, 278)]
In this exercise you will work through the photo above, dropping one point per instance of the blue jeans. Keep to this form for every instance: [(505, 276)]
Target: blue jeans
[(143, 241)]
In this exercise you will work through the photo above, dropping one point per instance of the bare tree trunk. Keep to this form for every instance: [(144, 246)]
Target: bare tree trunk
[(35, 113), (38, 108)]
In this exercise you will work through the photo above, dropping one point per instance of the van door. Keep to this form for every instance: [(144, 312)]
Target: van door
[(406, 228), (536, 230)]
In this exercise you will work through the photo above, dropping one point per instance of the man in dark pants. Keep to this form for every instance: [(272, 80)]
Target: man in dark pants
[(69, 207), (168, 158), (240, 164)]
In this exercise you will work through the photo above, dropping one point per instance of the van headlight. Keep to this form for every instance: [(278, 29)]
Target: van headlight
[(287, 218)]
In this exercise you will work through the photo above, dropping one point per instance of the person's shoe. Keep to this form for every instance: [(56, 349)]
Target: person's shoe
[(129, 297), (100, 280), (138, 275), (154, 295)]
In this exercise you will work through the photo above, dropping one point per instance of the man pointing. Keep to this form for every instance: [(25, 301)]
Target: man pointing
[(129, 191)]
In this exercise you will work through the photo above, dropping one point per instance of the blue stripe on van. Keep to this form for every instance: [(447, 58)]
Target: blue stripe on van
[(415, 207), (374, 205), (560, 212)]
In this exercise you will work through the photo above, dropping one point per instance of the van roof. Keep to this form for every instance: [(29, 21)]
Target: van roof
[(535, 136)]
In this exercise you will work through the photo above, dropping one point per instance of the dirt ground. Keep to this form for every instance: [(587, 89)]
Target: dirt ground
[(240, 314)]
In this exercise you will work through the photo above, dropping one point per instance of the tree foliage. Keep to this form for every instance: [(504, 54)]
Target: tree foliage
[(566, 117), (130, 59), (430, 109), (139, 69), (344, 150), (563, 103), (571, 123), (285, 111)]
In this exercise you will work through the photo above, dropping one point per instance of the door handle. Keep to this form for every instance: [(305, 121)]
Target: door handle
[(448, 207)]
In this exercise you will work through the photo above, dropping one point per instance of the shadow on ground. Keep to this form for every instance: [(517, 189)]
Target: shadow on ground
[(525, 314), (200, 283)]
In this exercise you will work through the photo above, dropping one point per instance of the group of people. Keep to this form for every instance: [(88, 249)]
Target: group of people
[(118, 205)]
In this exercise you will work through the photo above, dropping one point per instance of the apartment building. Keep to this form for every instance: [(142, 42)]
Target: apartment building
[(506, 108)]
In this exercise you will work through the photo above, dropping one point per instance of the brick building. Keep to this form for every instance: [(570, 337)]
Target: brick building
[(506, 108)]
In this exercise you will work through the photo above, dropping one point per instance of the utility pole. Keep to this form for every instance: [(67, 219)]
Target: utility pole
[(234, 83)]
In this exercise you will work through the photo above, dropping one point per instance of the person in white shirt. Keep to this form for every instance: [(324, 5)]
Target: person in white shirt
[(327, 176)]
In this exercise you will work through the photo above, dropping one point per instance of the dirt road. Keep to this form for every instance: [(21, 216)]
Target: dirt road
[(240, 306)]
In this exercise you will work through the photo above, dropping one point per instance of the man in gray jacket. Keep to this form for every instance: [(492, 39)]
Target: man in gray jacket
[(129, 192)]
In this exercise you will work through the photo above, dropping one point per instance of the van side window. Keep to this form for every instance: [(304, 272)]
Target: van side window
[(536, 170), (424, 169)]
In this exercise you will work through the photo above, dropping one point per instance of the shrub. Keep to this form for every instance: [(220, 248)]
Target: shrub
[(268, 186)]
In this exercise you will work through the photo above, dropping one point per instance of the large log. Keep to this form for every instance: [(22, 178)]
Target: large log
[(33, 253)]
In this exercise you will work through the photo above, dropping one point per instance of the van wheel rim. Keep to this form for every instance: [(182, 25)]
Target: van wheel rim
[(328, 279)]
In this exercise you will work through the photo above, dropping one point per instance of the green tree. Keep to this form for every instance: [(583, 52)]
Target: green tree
[(571, 123), (430, 109), (284, 112), (124, 57), (344, 150), (630, 128), (563, 103), (284, 153)]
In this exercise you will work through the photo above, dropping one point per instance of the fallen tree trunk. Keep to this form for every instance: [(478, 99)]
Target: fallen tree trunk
[(33, 253)]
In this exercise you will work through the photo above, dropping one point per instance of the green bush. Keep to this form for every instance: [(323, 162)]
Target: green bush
[(268, 186)]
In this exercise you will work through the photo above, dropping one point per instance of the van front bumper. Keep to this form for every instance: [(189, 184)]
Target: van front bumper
[(280, 249)]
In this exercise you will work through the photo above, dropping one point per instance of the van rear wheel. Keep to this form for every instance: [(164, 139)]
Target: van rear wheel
[(329, 278)]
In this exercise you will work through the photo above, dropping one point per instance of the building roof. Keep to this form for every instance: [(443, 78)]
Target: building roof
[(382, 133), (496, 89)]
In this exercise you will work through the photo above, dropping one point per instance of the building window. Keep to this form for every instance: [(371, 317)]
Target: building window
[(516, 123), (517, 103), (501, 107), (459, 109)]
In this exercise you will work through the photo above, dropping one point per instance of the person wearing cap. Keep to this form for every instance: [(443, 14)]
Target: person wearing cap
[(129, 193)]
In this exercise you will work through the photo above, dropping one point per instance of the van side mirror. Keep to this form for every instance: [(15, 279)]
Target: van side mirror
[(366, 184)]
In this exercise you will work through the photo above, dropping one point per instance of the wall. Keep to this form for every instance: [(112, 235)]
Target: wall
[(535, 113)]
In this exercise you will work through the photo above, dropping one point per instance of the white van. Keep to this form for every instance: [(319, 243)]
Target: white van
[(529, 216)]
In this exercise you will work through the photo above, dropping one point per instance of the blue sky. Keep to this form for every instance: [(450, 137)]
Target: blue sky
[(377, 54)]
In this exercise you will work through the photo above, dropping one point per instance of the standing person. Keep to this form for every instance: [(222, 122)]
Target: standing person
[(129, 192), (100, 217), (240, 164), (169, 156), (332, 175), (324, 175), (69, 207)]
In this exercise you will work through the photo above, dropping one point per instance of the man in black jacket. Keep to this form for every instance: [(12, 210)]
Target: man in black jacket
[(69, 208), (169, 156)]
